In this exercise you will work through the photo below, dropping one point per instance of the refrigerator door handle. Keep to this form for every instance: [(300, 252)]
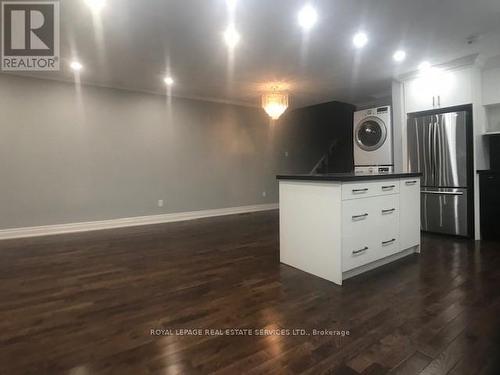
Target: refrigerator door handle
[(432, 149), (442, 192), (428, 155), (436, 149)]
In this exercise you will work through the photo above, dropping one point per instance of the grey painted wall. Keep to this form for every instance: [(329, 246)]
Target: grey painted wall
[(69, 155), (375, 103)]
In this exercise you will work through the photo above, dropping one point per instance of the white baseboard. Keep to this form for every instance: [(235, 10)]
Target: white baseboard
[(47, 230)]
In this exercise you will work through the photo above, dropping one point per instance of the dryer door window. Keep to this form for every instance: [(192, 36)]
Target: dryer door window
[(371, 134)]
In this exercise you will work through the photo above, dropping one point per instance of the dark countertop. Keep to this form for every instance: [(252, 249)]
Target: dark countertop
[(341, 177), (489, 171)]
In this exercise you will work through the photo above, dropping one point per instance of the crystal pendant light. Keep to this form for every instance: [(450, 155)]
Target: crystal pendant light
[(275, 103)]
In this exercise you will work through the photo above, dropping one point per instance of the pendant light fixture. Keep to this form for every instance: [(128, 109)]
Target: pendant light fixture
[(275, 103)]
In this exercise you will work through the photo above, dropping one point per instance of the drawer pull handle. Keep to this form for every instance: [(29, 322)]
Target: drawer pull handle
[(359, 190), (388, 187), (359, 216), (388, 242), (360, 250), (388, 211), (411, 182)]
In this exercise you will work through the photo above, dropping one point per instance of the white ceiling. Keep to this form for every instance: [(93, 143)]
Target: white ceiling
[(134, 41)]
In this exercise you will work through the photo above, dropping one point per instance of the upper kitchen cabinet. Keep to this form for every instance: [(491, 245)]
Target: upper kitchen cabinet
[(491, 86), (491, 100), (492, 119), (438, 88)]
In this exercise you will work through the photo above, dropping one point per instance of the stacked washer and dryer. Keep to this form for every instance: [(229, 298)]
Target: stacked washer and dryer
[(373, 141)]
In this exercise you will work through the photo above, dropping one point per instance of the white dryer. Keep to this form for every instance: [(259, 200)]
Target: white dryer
[(373, 137)]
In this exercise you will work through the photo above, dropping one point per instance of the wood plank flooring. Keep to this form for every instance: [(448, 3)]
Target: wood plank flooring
[(85, 304)]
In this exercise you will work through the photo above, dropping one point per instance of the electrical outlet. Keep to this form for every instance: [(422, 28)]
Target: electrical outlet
[(286, 154), (264, 194), (160, 203)]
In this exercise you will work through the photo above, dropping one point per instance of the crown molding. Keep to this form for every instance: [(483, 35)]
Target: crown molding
[(469, 60)]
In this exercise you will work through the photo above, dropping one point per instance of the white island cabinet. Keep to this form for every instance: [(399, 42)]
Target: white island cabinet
[(339, 225)]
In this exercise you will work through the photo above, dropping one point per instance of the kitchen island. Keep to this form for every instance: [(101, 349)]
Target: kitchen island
[(336, 226)]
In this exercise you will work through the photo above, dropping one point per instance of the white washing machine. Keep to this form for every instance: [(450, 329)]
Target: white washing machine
[(373, 137)]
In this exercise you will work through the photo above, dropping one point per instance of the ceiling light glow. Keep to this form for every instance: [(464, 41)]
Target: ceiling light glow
[(231, 36), (424, 66), (169, 81), (399, 56), (360, 40), (96, 5), (307, 17), (76, 66), (231, 4), (275, 103)]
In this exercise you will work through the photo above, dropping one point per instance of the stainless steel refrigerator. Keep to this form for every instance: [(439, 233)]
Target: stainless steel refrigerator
[(438, 147)]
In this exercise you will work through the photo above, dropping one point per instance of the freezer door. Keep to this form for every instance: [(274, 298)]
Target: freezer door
[(420, 148), (450, 150), (444, 211)]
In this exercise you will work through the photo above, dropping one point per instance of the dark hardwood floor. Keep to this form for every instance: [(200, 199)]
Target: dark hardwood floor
[(85, 304)]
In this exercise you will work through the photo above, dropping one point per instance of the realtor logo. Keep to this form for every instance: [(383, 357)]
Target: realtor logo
[(30, 35)]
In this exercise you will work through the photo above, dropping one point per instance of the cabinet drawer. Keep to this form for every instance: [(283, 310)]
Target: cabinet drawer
[(389, 245), (357, 216), (370, 230), (373, 216), (358, 234), (361, 250), (354, 190), (358, 251), (387, 216), (388, 225)]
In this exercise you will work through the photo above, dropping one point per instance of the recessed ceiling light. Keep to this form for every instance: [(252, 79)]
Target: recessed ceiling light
[(424, 66), (76, 66), (96, 5), (231, 36), (307, 17), (231, 4), (359, 40), (399, 55), (169, 81)]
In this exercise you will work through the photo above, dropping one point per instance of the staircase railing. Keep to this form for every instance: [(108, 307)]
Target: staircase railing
[(325, 159)]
